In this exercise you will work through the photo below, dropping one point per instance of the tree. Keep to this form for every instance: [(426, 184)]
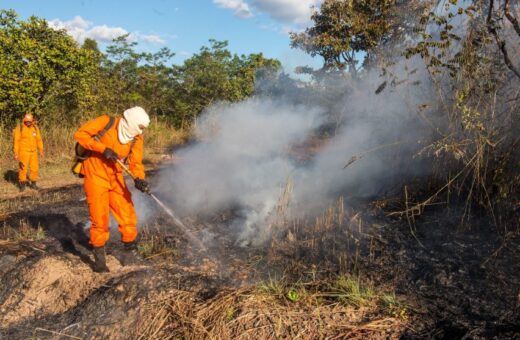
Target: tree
[(156, 81), (45, 71), (120, 67), (214, 74), (471, 50), (40, 68), (348, 33)]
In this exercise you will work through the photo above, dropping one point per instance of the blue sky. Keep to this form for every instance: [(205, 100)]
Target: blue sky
[(184, 26)]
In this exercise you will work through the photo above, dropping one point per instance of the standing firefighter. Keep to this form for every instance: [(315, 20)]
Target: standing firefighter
[(108, 140), (27, 143)]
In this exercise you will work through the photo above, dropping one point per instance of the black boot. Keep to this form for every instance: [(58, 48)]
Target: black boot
[(21, 186), (33, 186), (130, 254), (100, 263)]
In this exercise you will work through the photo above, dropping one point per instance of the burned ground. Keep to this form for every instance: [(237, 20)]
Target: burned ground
[(448, 282)]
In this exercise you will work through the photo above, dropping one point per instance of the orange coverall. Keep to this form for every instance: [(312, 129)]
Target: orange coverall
[(104, 183), (27, 143)]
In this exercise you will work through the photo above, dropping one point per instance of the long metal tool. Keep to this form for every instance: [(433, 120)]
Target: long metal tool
[(168, 211)]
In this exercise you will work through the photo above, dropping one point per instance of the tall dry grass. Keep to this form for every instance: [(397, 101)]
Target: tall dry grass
[(59, 151)]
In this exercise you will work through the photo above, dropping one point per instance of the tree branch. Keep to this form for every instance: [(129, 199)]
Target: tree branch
[(501, 43), (512, 19)]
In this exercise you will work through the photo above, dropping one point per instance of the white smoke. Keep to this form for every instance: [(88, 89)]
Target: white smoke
[(241, 160), (243, 157)]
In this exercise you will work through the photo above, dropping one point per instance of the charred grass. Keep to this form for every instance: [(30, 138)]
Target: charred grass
[(298, 291)]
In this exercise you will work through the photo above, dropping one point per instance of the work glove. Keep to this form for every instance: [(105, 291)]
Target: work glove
[(110, 155), (142, 185)]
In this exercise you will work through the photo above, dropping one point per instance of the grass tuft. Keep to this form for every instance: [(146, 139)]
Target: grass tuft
[(349, 290), (155, 244), (24, 232), (273, 287)]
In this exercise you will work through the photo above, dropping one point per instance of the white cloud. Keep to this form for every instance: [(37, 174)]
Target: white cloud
[(293, 15), (240, 7), (81, 29), (105, 33), (296, 12), (148, 38)]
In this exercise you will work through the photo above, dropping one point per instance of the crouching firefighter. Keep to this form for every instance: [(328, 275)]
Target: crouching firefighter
[(27, 144), (100, 144)]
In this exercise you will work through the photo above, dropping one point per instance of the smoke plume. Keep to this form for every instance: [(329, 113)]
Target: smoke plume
[(244, 156)]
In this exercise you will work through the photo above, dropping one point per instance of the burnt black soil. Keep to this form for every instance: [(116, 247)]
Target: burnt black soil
[(465, 283), (458, 283)]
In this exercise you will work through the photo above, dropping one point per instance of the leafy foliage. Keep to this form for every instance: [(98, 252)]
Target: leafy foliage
[(215, 74), (467, 43), (46, 71), (41, 68), (346, 33)]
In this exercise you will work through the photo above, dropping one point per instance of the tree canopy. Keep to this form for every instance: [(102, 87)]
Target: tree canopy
[(45, 71), (348, 33), (41, 68)]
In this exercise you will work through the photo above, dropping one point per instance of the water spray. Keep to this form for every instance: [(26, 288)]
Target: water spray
[(168, 211)]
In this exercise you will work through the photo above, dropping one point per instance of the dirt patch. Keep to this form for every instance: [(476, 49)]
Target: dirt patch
[(48, 285)]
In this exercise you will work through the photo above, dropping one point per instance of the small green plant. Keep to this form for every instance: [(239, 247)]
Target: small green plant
[(230, 313), (293, 295), (393, 306)]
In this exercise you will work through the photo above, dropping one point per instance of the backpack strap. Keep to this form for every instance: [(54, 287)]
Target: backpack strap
[(105, 129), (81, 152)]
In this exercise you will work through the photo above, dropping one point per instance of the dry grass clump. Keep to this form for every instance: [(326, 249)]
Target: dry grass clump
[(156, 245), (265, 313), (318, 304), (160, 136), (24, 232), (332, 239)]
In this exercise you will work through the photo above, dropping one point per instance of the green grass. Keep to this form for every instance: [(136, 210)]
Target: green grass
[(349, 290), (393, 306), (274, 287)]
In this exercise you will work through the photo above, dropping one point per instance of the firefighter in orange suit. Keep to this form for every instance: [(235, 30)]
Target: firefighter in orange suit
[(104, 184), (27, 144)]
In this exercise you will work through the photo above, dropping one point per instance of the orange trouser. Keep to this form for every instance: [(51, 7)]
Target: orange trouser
[(101, 200), (28, 160)]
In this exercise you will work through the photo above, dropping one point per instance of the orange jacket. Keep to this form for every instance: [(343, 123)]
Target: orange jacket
[(27, 139), (96, 168)]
